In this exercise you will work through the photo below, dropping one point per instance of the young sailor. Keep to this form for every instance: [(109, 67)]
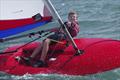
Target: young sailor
[(73, 28)]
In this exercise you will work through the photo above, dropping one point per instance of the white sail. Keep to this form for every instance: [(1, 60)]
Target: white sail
[(18, 9), (17, 16)]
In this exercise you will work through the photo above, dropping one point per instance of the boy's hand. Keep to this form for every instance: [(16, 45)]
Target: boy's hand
[(68, 24)]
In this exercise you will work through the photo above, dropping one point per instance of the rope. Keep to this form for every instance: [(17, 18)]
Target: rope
[(24, 44)]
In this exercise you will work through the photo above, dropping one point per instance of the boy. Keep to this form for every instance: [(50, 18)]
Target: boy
[(73, 28)]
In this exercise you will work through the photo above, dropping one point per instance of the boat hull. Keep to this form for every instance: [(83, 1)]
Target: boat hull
[(99, 55)]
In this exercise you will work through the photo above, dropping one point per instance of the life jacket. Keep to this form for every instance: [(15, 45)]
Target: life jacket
[(73, 28)]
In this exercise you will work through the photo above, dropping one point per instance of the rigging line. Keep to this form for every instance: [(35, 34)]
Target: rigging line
[(68, 60), (25, 44), (24, 35), (20, 47), (15, 37), (71, 57)]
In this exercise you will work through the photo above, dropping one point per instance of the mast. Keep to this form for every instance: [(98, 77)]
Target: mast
[(57, 16)]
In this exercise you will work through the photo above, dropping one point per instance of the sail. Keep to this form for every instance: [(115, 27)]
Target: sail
[(17, 16)]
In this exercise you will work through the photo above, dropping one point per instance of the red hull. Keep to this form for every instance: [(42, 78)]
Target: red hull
[(99, 55)]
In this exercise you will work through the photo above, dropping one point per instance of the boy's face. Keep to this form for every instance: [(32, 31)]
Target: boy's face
[(72, 17)]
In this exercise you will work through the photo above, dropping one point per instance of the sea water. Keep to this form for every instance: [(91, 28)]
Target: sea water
[(97, 19)]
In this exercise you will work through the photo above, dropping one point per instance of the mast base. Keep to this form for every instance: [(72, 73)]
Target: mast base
[(79, 52)]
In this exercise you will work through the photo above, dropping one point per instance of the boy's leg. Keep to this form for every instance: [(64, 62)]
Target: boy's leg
[(41, 62), (45, 49), (36, 51)]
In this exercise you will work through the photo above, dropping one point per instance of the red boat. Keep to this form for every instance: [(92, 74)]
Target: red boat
[(99, 55)]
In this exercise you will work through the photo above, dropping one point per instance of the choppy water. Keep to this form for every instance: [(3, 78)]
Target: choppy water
[(97, 18)]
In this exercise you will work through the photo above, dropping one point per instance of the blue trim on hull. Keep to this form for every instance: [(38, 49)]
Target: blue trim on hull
[(13, 31)]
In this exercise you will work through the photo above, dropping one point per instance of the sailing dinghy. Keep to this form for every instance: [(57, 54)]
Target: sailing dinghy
[(95, 55)]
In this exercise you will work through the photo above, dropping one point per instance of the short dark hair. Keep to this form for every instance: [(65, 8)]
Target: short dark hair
[(72, 13)]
